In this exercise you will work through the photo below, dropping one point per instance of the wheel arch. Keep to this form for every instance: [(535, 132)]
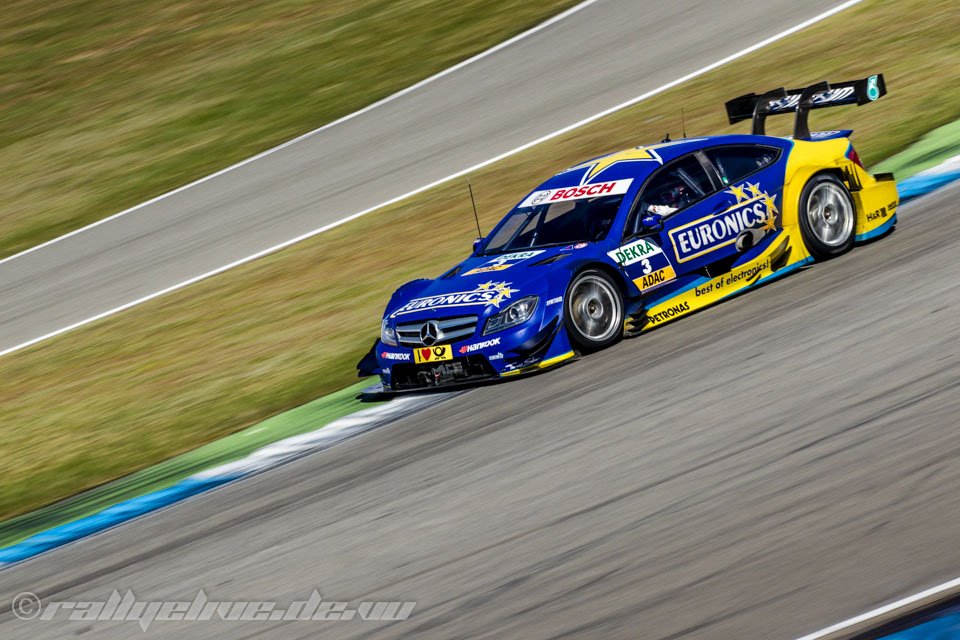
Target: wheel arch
[(619, 281), (617, 275), (805, 161), (793, 192)]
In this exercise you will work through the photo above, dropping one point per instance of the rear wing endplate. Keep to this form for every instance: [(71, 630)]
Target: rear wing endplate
[(801, 101)]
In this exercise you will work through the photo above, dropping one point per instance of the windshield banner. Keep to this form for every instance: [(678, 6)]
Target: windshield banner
[(613, 188)]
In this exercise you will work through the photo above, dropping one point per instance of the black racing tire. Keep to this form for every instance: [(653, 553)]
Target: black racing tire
[(827, 217), (593, 311)]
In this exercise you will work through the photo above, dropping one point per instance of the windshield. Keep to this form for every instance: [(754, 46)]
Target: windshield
[(553, 224)]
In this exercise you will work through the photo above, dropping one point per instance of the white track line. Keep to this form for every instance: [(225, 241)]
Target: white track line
[(882, 611), (350, 116), (458, 174)]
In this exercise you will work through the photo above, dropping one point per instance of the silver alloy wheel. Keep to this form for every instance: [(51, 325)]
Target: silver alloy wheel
[(595, 308), (830, 214)]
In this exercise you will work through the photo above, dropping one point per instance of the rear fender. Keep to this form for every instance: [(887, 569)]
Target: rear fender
[(805, 161), (875, 197)]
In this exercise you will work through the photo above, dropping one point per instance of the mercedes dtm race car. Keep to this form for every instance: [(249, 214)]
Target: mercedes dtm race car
[(629, 241)]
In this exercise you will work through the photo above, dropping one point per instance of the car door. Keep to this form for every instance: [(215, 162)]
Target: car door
[(676, 194), (700, 212)]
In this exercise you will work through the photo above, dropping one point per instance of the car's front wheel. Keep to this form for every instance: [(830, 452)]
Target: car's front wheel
[(594, 310), (828, 218)]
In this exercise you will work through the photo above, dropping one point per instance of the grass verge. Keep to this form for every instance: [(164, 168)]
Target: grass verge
[(185, 369), (99, 96), (935, 147), (302, 419)]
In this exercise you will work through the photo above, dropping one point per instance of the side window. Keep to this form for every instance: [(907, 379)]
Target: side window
[(674, 187), (511, 226), (737, 162)]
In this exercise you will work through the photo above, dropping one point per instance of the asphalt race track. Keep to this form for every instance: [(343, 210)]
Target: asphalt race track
[(767, 467), (601, 56)]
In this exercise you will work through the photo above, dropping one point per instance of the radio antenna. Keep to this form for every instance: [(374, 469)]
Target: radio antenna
[(474, 203), (683, 123)]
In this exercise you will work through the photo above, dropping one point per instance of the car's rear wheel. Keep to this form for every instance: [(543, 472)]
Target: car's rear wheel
[(594, 310), (828, 218)]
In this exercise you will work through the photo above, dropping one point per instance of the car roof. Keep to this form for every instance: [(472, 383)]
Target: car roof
[(639, 162)]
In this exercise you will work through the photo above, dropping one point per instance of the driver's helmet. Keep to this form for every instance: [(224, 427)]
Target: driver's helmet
[(675, 196)]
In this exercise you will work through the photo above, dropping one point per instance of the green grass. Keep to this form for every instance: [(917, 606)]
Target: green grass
[(940, 144), (106, 103), (302, 419), (185, 369)]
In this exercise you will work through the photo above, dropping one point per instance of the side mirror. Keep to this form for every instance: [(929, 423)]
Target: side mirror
[(651, 222), (477, 244)]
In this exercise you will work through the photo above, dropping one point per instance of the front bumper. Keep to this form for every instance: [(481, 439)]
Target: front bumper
[(465, 370), (514, 353)]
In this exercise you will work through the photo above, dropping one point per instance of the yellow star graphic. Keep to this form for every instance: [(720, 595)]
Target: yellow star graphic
[(485, 286), (770, 222), (636, 154), (754, 188), (504, 290), (769, 203), (738, 192)]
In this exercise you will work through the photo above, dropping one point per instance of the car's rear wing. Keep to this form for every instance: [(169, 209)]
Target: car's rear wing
[(801, 101)]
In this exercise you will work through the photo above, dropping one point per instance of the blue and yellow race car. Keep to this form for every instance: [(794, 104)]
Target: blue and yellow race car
[(629, 241)]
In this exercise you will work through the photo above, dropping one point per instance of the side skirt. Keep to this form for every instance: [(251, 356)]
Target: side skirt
[(785, 255)]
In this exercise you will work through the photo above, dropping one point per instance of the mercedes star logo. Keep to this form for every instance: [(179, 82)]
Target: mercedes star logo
[(430, 333)]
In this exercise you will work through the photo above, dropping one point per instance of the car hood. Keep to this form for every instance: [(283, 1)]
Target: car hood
[(480, 285)]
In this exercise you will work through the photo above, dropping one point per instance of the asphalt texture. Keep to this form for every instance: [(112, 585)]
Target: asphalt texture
[(762, 469), (597, 58)]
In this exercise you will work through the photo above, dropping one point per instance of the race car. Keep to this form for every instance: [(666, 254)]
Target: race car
[(626, 242)]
